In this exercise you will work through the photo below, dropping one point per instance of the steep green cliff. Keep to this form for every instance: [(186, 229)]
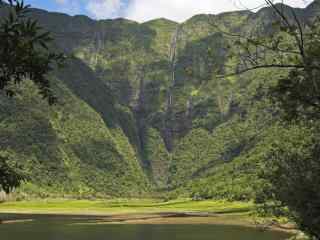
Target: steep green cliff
[(141, 109)]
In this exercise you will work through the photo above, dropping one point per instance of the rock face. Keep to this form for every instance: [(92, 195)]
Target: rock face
[(139, 106)]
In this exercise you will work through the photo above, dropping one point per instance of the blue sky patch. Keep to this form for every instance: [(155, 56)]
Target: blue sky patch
[(144, 10)]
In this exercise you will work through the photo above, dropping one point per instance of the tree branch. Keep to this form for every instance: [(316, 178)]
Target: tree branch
[(262, 67)]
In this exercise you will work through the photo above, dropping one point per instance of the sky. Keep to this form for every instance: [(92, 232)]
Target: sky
[(144, 10)]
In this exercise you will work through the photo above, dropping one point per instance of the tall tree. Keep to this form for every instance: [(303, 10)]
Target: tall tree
[(24, 50), (293, 165), (24, 54), (9, 177)]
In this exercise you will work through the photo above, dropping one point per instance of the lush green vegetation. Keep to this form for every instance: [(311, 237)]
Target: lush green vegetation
[(125, 206), (24, 54), (151, 109), (107, 134)]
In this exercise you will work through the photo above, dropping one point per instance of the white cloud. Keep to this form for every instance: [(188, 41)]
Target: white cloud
[(177, 10), (69, 6), (104, 8), (180, 10), (61, 2)]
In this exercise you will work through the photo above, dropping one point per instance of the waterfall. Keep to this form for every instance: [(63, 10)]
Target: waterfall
[(173, 63), (169, 114)]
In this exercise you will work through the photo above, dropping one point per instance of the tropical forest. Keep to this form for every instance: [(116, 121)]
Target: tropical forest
[(114, 128)]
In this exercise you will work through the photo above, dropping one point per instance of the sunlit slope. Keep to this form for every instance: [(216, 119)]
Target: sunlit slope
[(141, 109)]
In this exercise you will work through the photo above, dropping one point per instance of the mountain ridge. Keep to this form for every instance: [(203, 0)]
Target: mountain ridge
[(140, 110)]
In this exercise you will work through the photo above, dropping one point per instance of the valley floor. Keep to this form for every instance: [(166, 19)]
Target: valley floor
[(134, 212), (123, 206)]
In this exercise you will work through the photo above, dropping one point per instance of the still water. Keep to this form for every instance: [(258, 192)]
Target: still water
[(70, 230)]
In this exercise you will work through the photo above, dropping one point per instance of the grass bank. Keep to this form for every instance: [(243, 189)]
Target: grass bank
[(123, 206)]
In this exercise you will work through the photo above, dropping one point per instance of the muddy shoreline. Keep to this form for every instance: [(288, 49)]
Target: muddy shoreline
[(174, 218)]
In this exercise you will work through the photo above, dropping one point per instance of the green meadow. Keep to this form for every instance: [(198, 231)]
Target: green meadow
[(102, 207)]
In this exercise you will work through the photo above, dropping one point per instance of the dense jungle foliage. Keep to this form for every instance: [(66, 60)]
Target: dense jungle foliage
[(149, 109)]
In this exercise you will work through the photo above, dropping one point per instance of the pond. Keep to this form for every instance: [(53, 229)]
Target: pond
[(58, 229)]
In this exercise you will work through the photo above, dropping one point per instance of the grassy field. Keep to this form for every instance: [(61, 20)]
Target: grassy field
[(120, 206), (134, 211)]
